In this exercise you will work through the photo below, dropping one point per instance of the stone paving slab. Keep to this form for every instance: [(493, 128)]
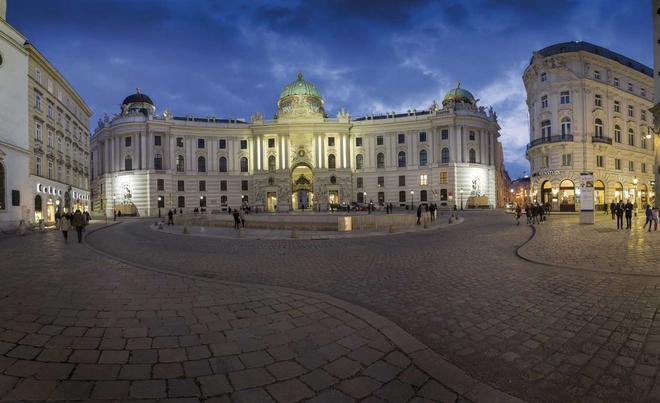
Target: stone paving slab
[(76, 325)]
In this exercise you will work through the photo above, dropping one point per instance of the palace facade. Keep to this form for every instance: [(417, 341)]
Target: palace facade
[(143, 162), (588, 110)]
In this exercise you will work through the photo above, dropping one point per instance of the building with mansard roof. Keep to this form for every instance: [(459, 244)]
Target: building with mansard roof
[(143, 162)]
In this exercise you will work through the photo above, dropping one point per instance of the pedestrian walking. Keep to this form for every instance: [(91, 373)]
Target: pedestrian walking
[(629, 211), (620, 208), (518, 212), (170, 218), (649, 217), (656, 217), (541, 214), (613, 209), (65, 226), (237, 219), (419, 214), (241, 215), (78, 221), (88, 217), (528, 214)]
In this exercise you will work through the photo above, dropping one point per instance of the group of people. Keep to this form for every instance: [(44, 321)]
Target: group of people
[(536, 213), (239, 217), (619, 210), (67, 221), (432, 209)]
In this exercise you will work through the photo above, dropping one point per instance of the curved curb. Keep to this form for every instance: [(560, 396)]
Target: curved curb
[(424, 357), (520, 254)]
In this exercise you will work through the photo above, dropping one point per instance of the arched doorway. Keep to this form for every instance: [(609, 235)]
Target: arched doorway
[(38, 208), (50, 210), (643, 196), (567, 195), (546, 192), (599, 196), (618, 192), (302, 197)]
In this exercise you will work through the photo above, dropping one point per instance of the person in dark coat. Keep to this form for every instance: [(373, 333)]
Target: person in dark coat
[(613, 209), (79, 222), (629, 211), (419, 214), (170, 218), (619, 214), (237, 219)]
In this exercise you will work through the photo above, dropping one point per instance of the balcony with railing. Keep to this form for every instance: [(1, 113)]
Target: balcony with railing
[(551, 139), (601, 139)]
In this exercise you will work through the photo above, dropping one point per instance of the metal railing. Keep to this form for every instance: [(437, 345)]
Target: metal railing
[(551, 139), (599, 139)]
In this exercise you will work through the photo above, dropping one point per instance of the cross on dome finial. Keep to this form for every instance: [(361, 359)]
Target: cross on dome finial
[(137, 89), (299, 76)]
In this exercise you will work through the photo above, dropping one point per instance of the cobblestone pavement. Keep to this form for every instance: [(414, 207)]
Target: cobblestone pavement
[(75, 325), (598, 247), (538, 332)]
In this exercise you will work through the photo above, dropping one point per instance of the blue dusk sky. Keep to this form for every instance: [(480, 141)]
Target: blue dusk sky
[(232, 58)]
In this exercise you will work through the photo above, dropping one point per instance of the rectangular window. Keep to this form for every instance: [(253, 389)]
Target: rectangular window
[(402, 138), (544, 101), (158, 140), (37, 131), (50, 111), (423, 179), (566, 159), (596, 74), (50, 170), (631, 111), (564, 98), (160, 184), (181, 201), (359, 182), (243, 144), (402, 196), (381, 181), (546, 161), (643, 167), (201, 143), (599, 161), (244, 185), (422, 137), (223, 186), (444, 134), (202, 186), (37, 75), (443, 178), (616, 82), (379, 140), (127, 141), (222, 144), (617, 106), (179, 141), (643, 141), (38, 166), (331, 141), (50, 138), (180, 186), (544, 77), (402, 180), (631, 166), (37, 102), (598, 100), (617, 164), (271, 143), (631, 138), (358, 142)]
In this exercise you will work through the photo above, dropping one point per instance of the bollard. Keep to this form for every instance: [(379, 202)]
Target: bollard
[(185, 228)]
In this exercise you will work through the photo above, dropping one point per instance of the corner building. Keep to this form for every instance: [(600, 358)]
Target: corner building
[(588, 112), (302, 159)]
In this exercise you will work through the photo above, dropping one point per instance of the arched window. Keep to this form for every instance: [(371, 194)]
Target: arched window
[(179, 163), (565, 127), (631, 137), (2, 187), (402, 159), (546, 129), (222, 164), (331, 161), (244, 164), (271, 163), (158, 161), (128, 163), (617, 133), (445, 155), (380, 161), (359, 161), (37, 203), (473, 156), (423, 160), (201, 164), (598, 128)]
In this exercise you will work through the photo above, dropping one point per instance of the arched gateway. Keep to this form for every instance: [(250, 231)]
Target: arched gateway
[(302, 196)]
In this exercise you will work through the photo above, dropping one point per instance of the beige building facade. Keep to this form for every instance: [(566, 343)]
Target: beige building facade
[(588, 112), (143, 162)]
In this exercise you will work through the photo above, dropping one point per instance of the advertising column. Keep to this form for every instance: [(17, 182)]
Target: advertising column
[(587, 214)]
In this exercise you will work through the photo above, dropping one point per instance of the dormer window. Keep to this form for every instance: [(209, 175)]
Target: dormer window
[(544, 77), (597, 74), (616, 82)]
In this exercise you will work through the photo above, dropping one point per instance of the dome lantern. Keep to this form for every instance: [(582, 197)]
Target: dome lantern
[(300, 98), (138, 103), (459, 95)]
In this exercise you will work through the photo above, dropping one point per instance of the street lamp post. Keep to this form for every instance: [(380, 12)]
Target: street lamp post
[(160, 198), (114, 211), (364, 200), (412, 199), (511, 201), (635, 181), (461, 192)]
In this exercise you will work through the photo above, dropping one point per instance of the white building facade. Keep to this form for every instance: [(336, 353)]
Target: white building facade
[(655, 110), (301, 160), (588, 111)]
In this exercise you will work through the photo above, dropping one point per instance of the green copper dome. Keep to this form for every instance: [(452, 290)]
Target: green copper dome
[(458, 94), (300, 87)]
